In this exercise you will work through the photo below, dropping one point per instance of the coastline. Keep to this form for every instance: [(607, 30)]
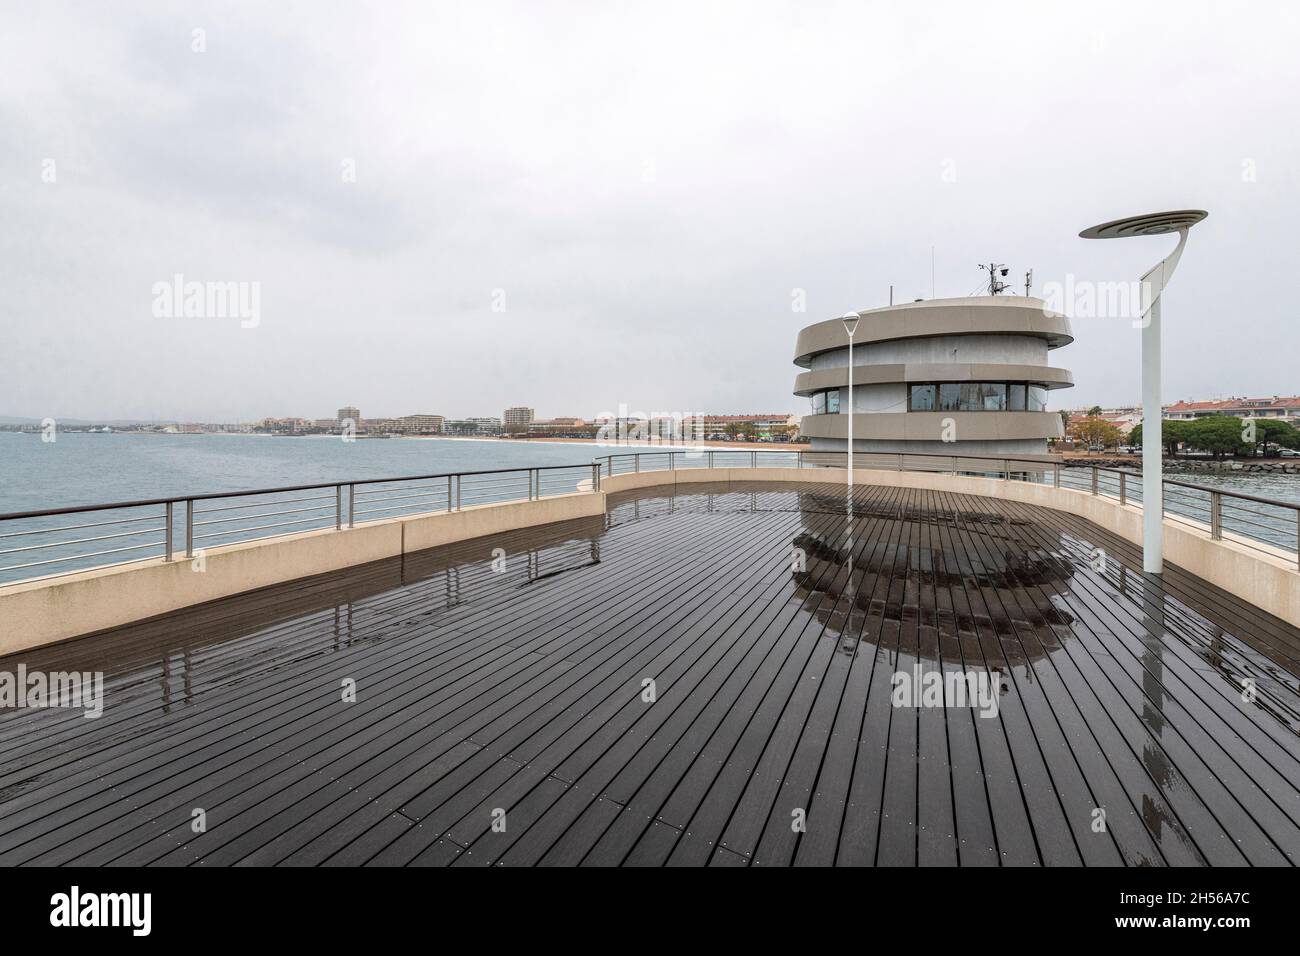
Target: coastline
[(642, 445)]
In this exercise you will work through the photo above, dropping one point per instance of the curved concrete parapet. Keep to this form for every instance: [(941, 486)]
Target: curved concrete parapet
[(805, 383), (930, 426), (47, 610), (985, 315)]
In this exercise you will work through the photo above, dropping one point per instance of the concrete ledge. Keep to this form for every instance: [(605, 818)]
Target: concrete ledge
[(52, 609), (1265, 576), (47, 610), (421, 532)]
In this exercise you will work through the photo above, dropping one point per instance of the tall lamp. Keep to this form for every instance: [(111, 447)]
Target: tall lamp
[(850, 321), (1153, 284)]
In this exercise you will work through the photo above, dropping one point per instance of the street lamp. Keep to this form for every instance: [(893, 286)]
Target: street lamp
[(850, 321), (1153, 284)]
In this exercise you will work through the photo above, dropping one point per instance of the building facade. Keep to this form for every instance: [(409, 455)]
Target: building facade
[(472, 426), (1279, 408), (944, 376), (349, 412), (517, 416)]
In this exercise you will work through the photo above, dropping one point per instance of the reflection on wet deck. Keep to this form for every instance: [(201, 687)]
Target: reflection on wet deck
[(1136, 722)]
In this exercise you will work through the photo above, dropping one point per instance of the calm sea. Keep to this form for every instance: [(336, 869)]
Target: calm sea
[(79, 468)]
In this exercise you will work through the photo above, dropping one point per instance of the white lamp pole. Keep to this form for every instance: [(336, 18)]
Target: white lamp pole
[(1152, 285), (850, 326)]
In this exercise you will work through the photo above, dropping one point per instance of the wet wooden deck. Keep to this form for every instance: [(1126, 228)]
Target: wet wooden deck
[(521, 691)]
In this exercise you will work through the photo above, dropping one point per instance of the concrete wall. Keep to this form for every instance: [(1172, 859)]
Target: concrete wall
[(46, 610)]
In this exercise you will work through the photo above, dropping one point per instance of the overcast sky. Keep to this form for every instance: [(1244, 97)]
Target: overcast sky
[(641, 187)]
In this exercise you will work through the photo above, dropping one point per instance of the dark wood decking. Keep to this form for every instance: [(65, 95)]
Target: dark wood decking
[(522, 691)]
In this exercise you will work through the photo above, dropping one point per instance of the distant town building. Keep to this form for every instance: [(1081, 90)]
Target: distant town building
[(1280, 408), (567, 426), (781, 426), (406, 425), (514, 418), (472, 427), (349, 411), (420, 424)]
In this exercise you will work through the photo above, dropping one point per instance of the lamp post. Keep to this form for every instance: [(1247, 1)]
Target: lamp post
[(1152, 285), (850, 321)]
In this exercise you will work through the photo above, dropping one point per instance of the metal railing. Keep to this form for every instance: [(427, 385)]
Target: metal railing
[(1263, 524), (48, 542), (32, 543)]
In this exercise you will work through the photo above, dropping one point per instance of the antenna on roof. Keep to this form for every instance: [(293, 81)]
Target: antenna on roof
[(1029, 281), (996, 269)]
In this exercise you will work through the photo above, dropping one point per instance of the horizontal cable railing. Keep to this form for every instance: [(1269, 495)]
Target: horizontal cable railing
[(60, 541), (65, 540), (1262, 524)]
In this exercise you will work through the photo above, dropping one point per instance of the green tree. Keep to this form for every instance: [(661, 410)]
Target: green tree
[(1219, 435), (1268, 432), (1172, 434), (1094, 412), (1097, 431)]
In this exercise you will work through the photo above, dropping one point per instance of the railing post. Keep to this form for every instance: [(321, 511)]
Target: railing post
[(1006, 470), (1123, 489), (352, 506), (595, 476), (753, 459), (1094, 479), (710, 459), (458, 480), (1056, 475), (338, 507), (449, 492), (167, 543), (1216, 516), (189, 527), (672, 461), (954, 466), (800, 458), (900, 461), (636, 462)]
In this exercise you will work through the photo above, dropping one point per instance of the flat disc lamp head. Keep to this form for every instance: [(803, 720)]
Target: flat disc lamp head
[(1151, 224), (850, 323)]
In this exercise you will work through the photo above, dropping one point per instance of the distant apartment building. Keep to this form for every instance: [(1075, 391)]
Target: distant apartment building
[(407, 425), (472, 427), (566, 426), (285, 426), (1279, 408), (517, 416), (349, 411), (767, 426)]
